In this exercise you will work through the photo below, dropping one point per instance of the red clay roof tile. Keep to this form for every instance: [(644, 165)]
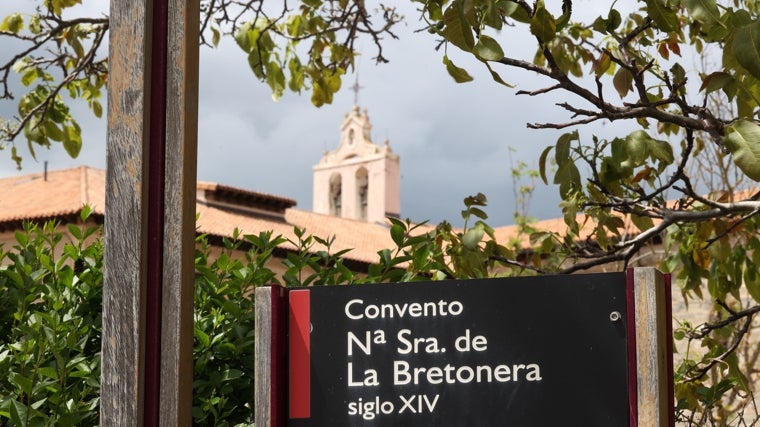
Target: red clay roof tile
[(65, 192)]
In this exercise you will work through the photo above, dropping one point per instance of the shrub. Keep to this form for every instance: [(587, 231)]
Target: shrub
[(50, 328)]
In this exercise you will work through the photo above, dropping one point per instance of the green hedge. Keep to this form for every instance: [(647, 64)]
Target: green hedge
[(51, 305), (51, 287), (50, 331), (50, 328)]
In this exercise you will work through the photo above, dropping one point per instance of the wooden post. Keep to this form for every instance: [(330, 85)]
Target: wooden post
[(651, 351), (270, 356), (150, 213)]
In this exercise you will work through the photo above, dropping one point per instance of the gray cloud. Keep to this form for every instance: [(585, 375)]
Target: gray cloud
[(453, 139)]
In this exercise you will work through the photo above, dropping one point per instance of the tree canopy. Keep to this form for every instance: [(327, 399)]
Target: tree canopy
[(686, 72)]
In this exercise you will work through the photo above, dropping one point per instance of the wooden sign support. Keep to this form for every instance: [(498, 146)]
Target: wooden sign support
[(271, 355), (150, 213), (650, 344), (551, 350)]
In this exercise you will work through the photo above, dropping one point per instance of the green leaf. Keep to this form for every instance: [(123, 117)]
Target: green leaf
[(23, 383), (460, 75), (12, 23), (715, 81), (72, 38), (254, 61), (333, 81), (232, 374), (275, 80), (297, 75), (48, 371), (542, 25), (613, 20), (457, 30), (30, 76), (34, 24), (746, 48), (97, 109), (492, 16), (480, 213), (18, 413), (743, 140), (472, 237), (602, 65), (746, 101), (569, 179), (397, 234), (215, 36), (72, 141), (513, 10), (476, 200), (704, 11), (542, 164), (637, 146), (496, 77), (53, 132), (318, 96), (242, 39), (488, 49), (562, 155), (752, 282), (664, 18), (325, 86), (660, 150), (75, 231), (86, 212)]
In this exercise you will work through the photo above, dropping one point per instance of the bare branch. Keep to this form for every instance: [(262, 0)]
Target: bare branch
[(699, 372), (538, 91)]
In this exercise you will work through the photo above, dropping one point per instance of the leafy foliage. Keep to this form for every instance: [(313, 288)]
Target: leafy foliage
[(50, 305), (62, 59), (672, 191), (51, 308)]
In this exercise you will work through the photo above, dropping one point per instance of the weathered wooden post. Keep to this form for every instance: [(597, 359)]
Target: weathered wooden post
[(150, 213), (649, 310)]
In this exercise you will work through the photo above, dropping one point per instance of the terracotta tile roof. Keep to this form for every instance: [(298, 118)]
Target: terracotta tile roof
[(62, 193), (245, 197), (65, 192), (554, 225), (364, 239), (587, 225)]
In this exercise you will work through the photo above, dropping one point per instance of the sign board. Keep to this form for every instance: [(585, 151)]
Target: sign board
[(538, 351)]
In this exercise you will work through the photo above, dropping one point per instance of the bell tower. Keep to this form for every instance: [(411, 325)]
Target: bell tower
[(358, 179)]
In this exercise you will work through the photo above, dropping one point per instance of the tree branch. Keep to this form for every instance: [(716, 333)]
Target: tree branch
[(699, 371)]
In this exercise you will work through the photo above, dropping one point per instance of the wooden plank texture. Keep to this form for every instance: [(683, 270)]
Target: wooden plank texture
[(179, 213), (270, 359), (122, 387), (651, 347), (262, 382), (132, 123)]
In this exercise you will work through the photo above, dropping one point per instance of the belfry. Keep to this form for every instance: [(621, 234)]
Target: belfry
[(358, 179)]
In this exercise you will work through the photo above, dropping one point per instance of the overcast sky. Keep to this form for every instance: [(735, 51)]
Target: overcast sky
[(453, 139)]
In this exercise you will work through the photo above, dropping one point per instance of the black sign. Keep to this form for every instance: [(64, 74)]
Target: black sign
[(539, 351)]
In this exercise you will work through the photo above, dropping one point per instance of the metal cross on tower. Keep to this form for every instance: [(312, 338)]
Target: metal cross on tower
[(356, 88)]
